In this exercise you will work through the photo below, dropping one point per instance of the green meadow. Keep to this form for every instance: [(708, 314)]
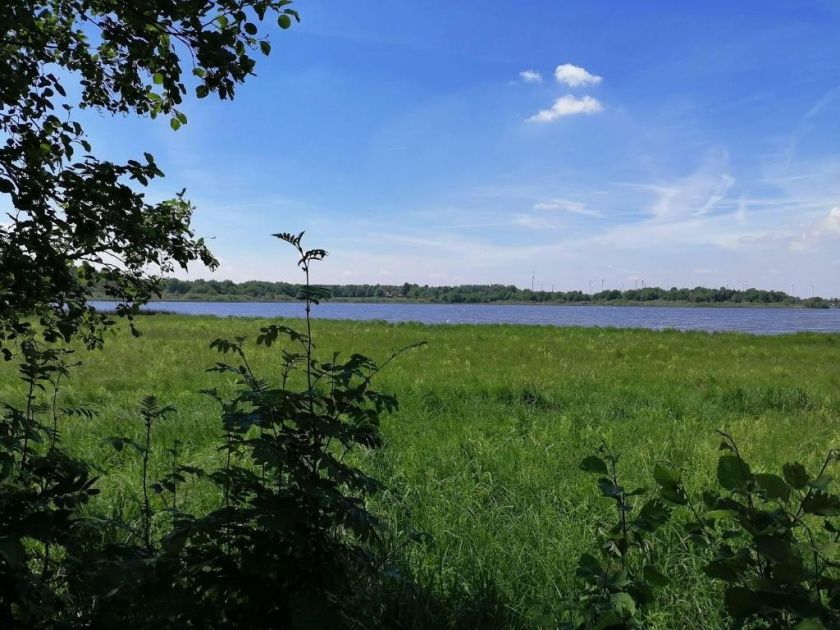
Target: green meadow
[(483, 454)]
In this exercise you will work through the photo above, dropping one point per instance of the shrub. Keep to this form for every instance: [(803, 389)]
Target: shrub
[(771, 539)]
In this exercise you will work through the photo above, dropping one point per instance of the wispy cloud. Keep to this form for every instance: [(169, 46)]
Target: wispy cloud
[(530, 76), (565, 205), (575, 76), (535, 222), (697, 194), (832, 221), (567, 105)]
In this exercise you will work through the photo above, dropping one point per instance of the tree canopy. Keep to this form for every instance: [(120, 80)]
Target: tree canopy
[(206, 290), (74, 221)]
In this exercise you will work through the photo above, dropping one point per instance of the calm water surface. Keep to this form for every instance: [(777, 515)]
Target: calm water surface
[(768, 321)]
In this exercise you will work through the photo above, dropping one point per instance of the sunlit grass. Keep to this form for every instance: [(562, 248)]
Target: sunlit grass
[(483, 453)]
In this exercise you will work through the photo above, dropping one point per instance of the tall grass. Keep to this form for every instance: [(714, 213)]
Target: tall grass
[(483, 454)]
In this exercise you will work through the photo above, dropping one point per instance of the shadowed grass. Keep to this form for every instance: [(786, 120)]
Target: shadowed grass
[(494, 419)]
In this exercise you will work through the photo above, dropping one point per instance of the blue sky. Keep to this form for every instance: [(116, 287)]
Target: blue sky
[(675, 143)]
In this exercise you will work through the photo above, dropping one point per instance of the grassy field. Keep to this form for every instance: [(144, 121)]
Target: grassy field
[(494, 420)]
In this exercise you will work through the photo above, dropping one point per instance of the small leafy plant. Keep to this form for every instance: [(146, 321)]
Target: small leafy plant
[(292, 538), (151, 412), (775, 542), (621, 580), (41, 490)]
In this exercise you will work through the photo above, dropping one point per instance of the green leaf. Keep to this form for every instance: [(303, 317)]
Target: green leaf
[(654, 577), (673, 494), (773, 485), (157, 78), (821, 503), (728, 568), (790, 571), (250, 28), (665, 476), (822, 482), (618, 580), (809, 624), (653, 515), (117, 443), (12, 552), (265, 47), (594, 464), (775, 547), (284, 21), (623, 605), (201, 91), (175, 124), (588, 566), (741, 602), (796, 475), (609, 489), (733, 473), (314, 293), (610, 619)]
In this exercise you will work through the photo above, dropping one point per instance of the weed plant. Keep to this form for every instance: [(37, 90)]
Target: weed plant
[(290, 540)]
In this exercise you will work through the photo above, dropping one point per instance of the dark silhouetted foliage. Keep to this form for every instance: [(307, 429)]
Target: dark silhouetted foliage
[(77, 221), (291, 543)]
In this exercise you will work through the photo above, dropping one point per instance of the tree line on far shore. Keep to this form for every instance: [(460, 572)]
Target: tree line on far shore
[(199, 290)]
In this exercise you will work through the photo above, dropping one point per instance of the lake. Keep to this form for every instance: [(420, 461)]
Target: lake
[(766, 321)]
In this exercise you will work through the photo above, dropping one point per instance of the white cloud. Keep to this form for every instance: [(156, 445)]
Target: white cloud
[(567, 105), (832, 221), (574, 207), (575, 76), (530, 76)]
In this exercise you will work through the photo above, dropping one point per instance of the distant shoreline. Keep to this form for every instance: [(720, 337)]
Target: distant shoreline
[(258, 291), (633, 303)]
